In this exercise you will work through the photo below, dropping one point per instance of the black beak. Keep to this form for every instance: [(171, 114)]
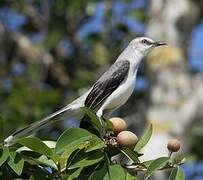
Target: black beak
[(159, 44)]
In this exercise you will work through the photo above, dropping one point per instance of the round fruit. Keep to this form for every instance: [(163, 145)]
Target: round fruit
[(173, 145), (118, 124), (127, 139)]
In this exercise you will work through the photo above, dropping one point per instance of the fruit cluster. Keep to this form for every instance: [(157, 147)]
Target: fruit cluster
[(124, 138), (128, 139)]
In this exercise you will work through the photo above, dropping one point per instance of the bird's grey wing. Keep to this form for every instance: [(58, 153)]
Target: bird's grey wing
[(107, 84)]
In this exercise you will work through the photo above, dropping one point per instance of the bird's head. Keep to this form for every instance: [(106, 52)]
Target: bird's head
[(144, 44)]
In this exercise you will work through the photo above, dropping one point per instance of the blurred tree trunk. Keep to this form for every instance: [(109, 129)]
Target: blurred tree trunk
[(175, 93)]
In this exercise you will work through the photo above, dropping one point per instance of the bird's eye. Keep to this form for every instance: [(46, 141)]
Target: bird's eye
[(144, 41)]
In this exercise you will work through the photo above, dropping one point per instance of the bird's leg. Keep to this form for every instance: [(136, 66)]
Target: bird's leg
[(100, 116), (101, 119)]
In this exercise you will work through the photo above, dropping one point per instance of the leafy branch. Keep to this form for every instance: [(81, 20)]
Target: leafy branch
[(79, 153)]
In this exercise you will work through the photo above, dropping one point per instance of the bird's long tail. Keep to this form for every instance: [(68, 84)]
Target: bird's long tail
[(36, 126)]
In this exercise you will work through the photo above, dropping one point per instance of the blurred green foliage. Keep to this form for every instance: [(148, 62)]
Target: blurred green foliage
[(45, 61)]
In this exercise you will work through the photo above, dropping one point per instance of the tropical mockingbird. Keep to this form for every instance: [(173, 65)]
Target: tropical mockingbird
[(109, 92)]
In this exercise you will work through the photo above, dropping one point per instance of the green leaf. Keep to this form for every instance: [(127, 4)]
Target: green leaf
[(109, 125), (117, 172), (147, 163), (36, 145), (72, 137), (86, 159), (40, 174), (43, 160), (93, 117), (22, 149), (131, 155), (50, 144), (95, 143), (145, 139), (130, 177), (16, 162), (101, 173), (75, 174), (6, 173), (156, 164), (177, 174), (4, 154), (65, 158)]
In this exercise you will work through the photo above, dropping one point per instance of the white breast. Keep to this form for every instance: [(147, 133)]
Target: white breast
[(119, 96)]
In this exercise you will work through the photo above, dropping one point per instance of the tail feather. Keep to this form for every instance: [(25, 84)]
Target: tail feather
[(36, 126)]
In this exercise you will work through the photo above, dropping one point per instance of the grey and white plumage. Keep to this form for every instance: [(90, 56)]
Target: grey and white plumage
[(109, 92)]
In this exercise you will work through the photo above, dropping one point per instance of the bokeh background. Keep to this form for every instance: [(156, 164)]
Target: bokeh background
[(52, 51)]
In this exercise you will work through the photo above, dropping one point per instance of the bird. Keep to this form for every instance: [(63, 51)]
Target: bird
[(109, 92)]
